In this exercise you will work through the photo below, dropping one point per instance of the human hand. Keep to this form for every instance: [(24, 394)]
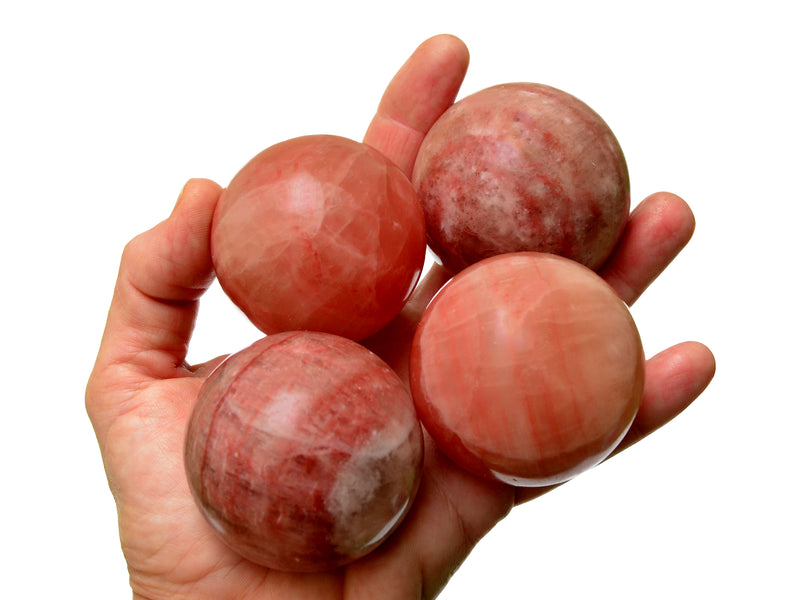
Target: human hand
[(141, 391)]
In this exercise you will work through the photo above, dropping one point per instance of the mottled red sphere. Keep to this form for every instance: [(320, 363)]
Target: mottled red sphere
[(320, 233), (522, 167), (527, 368), (304, 451)]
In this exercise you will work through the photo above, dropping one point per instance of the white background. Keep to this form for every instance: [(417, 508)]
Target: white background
[(107, 108)]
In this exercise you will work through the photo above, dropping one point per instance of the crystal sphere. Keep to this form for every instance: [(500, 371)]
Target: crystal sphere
[(320, 233), (527, 368), (304, 451), (522, 167)]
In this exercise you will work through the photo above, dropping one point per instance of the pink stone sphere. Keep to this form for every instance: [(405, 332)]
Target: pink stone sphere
[(320, 233), (304, 451), (527, 368), (522, 167)]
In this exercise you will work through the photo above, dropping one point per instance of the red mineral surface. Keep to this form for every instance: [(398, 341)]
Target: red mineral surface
[(320, 233), (527, 368), (304, 451), (522, 167)]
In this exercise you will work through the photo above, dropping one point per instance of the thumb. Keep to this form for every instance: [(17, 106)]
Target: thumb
[(163, 272)]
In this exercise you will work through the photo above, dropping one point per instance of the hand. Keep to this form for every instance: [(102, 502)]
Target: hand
[(141, 391)]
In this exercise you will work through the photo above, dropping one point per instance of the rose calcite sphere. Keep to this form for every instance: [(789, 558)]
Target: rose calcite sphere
[(320, 233), (527, 368), (304, 451), (522, 167)]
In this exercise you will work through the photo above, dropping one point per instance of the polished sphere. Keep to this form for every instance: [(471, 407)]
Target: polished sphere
[(522, 167), (527, 368), (304, 451), (320, 233)]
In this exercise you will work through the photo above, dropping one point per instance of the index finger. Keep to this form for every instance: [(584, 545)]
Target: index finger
[(424, 87)]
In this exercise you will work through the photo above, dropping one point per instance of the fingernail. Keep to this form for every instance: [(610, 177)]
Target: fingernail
[(180, 198)]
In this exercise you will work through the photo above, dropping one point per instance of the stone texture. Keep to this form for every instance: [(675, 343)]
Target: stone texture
[(304, 451), (527, 368), (522, 167), (320, 233)]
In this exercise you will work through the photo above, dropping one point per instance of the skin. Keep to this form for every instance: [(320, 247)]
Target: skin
[(141, 391)]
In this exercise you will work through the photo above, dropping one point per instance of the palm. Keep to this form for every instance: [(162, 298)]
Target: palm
[(141, 392), (173, 552)]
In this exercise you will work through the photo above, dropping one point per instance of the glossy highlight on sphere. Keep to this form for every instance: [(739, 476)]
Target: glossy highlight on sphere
[(527, 368), (320, 233), (522, 167), (304, 451)]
